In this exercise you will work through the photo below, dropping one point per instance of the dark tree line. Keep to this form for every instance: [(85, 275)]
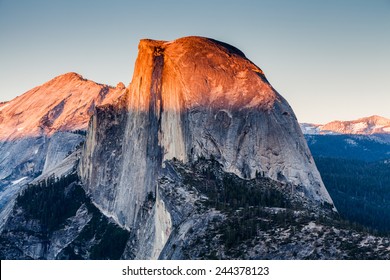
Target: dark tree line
[(359, 189), (47, 201), (54, 200)]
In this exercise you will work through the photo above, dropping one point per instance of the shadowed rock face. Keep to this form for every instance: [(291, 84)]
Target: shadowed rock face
[(190, 98)]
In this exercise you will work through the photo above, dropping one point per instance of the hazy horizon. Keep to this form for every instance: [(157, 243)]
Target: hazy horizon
[(329, 59)]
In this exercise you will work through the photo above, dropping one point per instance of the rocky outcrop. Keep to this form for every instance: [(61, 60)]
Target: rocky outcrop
[(101, 164), (191, 98)]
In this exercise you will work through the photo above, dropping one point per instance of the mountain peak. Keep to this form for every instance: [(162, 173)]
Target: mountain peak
[(66, 78), (70, 75), (66, 102), (375, 119)]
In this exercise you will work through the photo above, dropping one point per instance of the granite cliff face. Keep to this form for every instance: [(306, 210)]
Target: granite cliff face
[(192, 98)]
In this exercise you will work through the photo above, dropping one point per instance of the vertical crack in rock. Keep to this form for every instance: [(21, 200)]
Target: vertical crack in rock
[(162, 218), (153, 148)]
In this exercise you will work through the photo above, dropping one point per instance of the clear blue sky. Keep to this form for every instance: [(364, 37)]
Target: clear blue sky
[(329, 59)]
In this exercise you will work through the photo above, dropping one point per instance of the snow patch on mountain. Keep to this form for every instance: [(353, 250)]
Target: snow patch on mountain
[(366, 126), (18, 180)]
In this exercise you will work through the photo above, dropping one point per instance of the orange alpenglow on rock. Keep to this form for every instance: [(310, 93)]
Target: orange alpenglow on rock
[(369, 125), (64, 103), (199, 72)]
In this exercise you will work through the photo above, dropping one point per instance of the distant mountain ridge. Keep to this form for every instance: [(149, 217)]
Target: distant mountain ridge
[(365, 126), (353, 159)]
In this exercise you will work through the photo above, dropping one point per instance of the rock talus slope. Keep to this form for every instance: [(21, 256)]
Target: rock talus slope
[(192, 98)]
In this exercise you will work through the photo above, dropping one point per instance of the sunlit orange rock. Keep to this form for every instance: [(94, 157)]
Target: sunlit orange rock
[(64, 103)]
